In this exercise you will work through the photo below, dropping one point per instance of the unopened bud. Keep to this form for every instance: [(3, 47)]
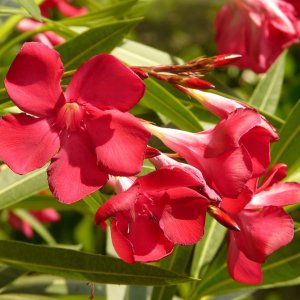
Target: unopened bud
[(196, 83), (139, 72), (222, 217), (151, 152), (225, 59)]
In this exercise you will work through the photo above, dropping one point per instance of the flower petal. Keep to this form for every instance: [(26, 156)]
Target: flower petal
[(148, 241), (73, 173), (33, 80), (274, 175), (120, 142), (279, 194), (120, 202), (26, 143), (106, 83), (121, 244), (263, 232), (227, 134), (46, 215), (167, 178), (183, 216), (257, 142), (241, 268)]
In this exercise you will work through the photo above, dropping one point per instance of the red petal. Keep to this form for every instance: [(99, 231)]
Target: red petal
[(228, 133), (26, 143), (263, 232), (167, 178), (33, 80), (279, 194), (274, 175), (257, 142), (106, 83), (121, 202), (121, 244), (148, 241), (46, 215), (73, 173), (183, 216), (120, 142), (241, 268)]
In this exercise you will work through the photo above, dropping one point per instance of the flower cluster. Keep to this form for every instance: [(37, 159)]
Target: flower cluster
[(85, 131), (258, 30)]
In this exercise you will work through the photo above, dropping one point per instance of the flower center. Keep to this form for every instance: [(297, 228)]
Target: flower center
[(70, 116)]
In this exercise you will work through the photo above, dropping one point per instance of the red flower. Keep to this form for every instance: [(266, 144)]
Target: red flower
[(264, 225), (48, 38), (86, 129), (259, 30), (228, 155), (63, 7), (156, 212), (47, 215)]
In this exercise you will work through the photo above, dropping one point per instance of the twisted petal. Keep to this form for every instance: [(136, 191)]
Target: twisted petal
[(26, 143), (183, 216), (120, 202), (120, 242), (240, 267), (73, 173), (148, 240), (167, 178), (120, 142), (33, 80), (274, 175), (279, 194), (263, 232), (106, 83)]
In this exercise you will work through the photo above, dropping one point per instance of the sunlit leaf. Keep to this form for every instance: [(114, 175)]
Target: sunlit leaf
[(83, 266)]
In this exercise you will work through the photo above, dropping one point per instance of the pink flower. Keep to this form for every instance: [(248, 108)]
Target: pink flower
[(63, 7), (48, 215), (264, 225), (296, 5), (48, 38), (157, 211), (259, 30), (85, 130), (228, 155)]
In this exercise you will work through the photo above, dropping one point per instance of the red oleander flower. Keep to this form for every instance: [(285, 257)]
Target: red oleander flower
[(48, 215), (48, 38), (156, 212), (85, 130), (63, 7), (264, 225), (259, 30), (228, 155)]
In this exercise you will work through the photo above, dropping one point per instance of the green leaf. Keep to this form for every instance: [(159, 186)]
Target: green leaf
[(15, 188), (7, 10), (32, 8), (285, 149), (9, 274), (282, 268), (176, 262), (267, 93), (83, 266), (25, 297), (207, 248), (102, 39), (107, 11), (162, 101)]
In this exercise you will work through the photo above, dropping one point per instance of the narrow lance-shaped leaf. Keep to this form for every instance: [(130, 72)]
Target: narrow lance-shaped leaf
[(287, 148), (267, 93), (15, 188), (83, 266), (101, 39), (32, 8)]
